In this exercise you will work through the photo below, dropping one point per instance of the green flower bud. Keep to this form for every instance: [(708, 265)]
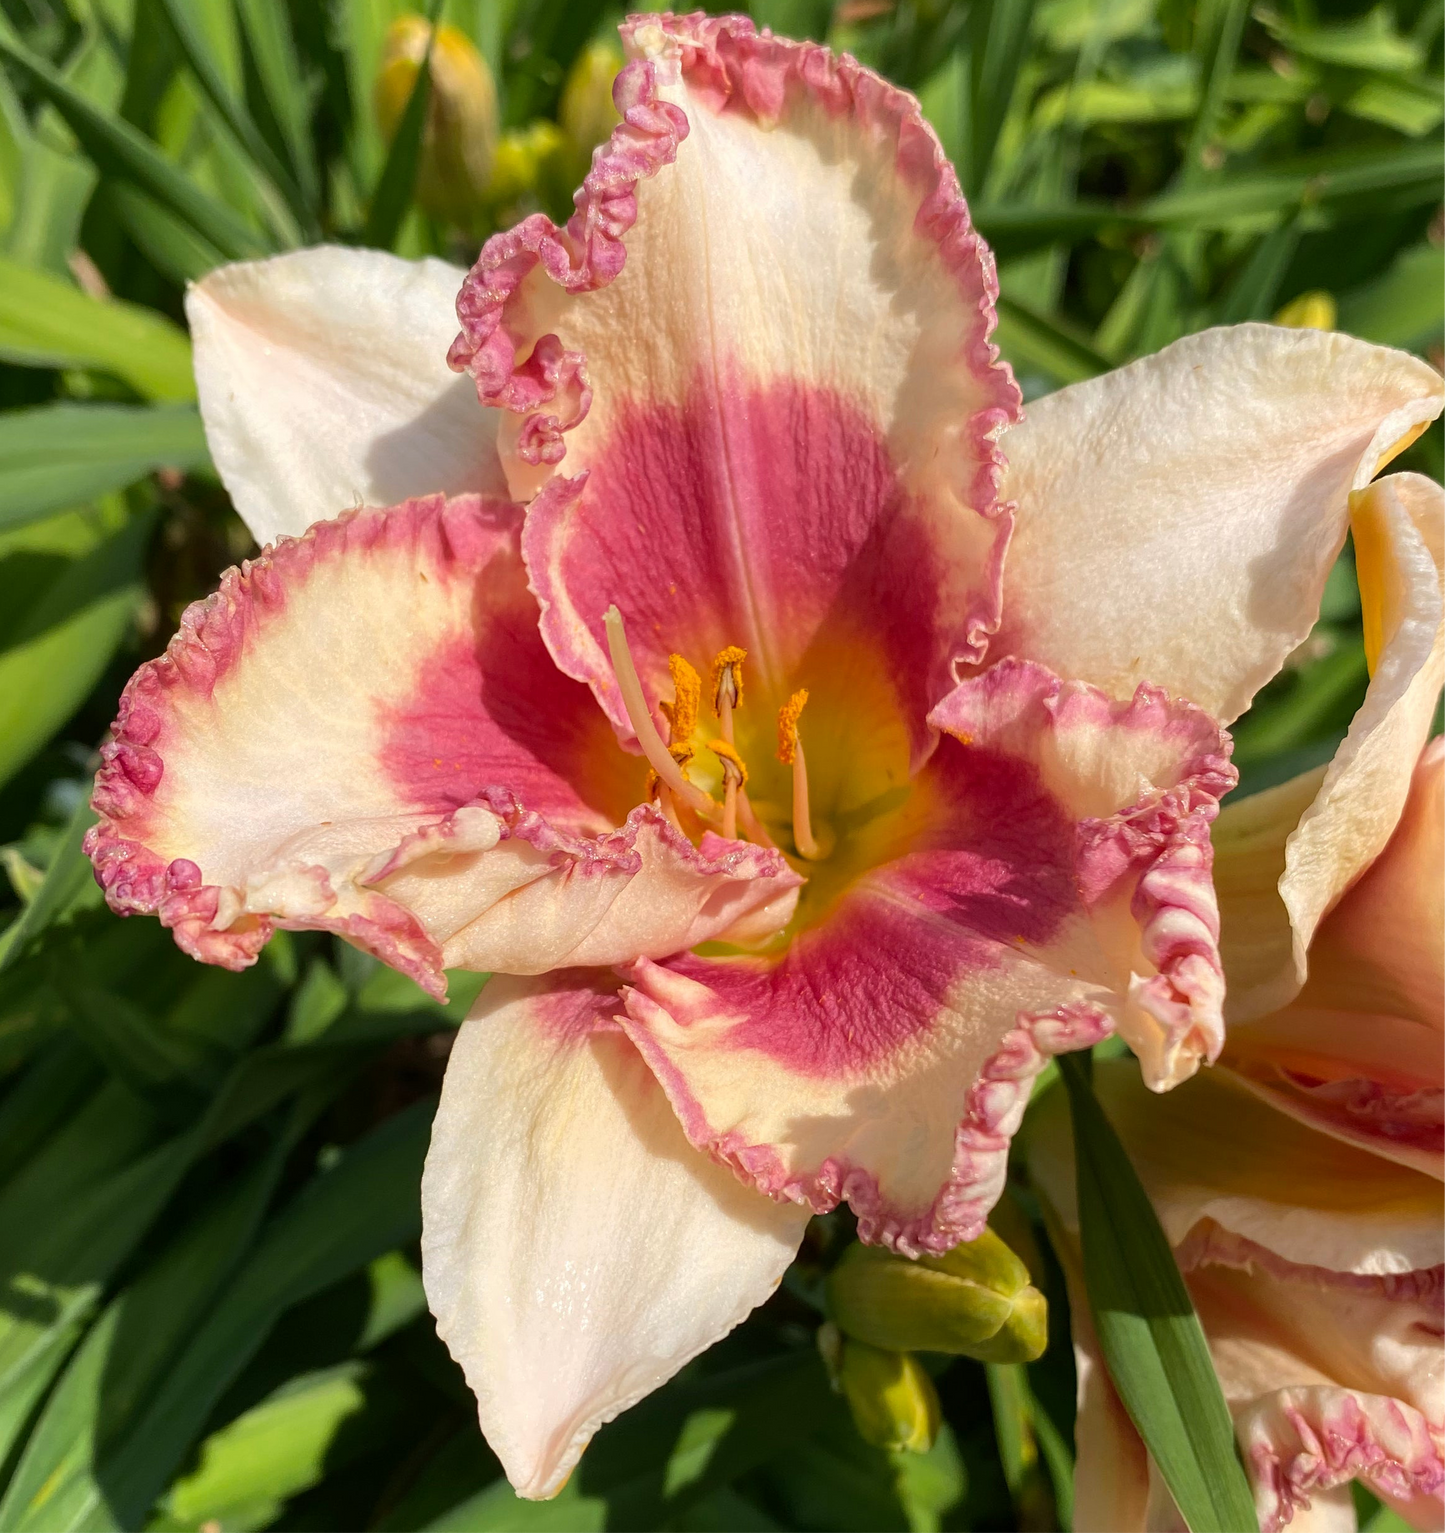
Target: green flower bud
[(460, 135), (528, 162), (975, 1299), (1310, 311), (891, 1398), (585, 111)]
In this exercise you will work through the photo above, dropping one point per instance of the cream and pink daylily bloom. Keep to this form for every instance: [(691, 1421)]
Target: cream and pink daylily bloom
[(1300, 1183), (764, 951)]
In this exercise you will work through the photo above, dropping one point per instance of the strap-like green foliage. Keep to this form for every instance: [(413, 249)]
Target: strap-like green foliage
[(1148, 1331)]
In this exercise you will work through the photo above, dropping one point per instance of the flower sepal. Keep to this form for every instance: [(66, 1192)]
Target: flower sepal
[(975, 1300)]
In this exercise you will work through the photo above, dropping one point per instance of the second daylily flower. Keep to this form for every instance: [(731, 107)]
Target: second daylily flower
[(748, 400)]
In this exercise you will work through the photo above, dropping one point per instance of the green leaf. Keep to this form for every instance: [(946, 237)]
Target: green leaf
[(996, 40), (1405, 306), (68, 875), (46, 321), (268, 32), (1148, 1331), (50, 1092), (1052, 345), (671, 1451), (394, 188), (366, 1204), (64, 640), (251, 1466), (119, 150), (58, 1484), (60, 455), (195, 48)]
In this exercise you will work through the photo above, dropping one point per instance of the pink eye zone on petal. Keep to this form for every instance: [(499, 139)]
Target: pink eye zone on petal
[(1044, 882), (362, 733)]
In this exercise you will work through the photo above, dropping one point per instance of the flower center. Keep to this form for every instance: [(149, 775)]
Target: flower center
[(700, 773)]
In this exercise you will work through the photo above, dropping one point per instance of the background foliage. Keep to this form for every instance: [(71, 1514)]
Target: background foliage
[(210, 1309)]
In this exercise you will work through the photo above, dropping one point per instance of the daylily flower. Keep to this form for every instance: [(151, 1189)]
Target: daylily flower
[(1290, 1182), (798, 864)]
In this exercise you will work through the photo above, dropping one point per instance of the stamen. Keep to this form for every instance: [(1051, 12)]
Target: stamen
[(640, 717), (727, 685), (790, 752), (735, 774)]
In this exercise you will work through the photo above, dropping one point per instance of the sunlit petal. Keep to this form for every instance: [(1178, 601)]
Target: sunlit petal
[(1177, 517), (764, 336), (323, 385), (576, 1250)]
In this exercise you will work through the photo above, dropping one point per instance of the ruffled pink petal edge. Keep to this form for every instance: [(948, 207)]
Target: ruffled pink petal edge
[(994, 1109), (725, 60), (209, 642), (1312, 1437), (1307, 1438), (1164, 842)]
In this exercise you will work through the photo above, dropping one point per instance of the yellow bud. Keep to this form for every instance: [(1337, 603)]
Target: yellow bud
[(975, 1299), (460, 135), (891, 1398), (1310, 311), (586, 112), (526, 159)]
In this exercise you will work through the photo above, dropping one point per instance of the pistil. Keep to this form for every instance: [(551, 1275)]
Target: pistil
[(639, 715), (790, 753)]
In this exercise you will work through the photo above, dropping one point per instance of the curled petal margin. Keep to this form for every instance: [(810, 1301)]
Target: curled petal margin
[(725, 62)]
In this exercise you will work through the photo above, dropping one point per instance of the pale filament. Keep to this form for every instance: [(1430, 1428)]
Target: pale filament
[(639, 715), (802, 824), (730, 806), (737, 808), (731, 787)]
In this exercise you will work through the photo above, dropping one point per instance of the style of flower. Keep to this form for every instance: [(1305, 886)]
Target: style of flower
[(704, 709), (1299, 1183)]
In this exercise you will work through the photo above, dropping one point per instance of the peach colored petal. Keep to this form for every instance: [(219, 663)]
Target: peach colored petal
[(576, 1250), (1361, 796), (1177, 518), (323, 385)]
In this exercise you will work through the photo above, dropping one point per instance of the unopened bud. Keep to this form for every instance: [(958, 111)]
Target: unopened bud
[(1310, 311), (891, 1398), (528, 162), (460, 136), (975, 1299), (586, 111)]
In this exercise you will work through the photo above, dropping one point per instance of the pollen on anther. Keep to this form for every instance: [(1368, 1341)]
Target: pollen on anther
[(788, 726), (686, 698), (727, 673), (734, 767)]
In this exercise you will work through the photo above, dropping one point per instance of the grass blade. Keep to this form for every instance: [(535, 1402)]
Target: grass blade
[(67, 876), (1148, 1331), (119, 150), (48, 322), (397, 183), (1026, 336), (273, 49), (194, 48), (61, 455)]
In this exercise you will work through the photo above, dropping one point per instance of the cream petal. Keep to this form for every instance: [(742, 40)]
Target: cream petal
[(324, 384), (1344, 824), (576, 1250), (1177, 518)]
